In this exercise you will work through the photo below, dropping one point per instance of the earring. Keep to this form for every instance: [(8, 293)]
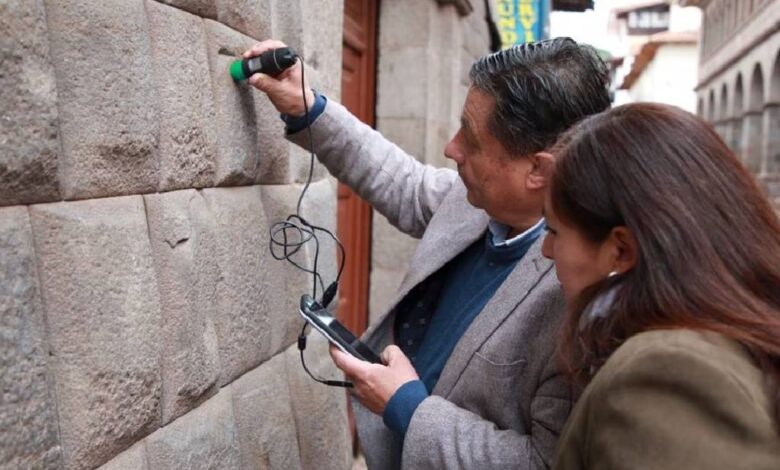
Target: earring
[(611, 274)]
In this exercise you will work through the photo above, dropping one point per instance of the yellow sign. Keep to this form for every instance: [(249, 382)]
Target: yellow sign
[(519, 21)]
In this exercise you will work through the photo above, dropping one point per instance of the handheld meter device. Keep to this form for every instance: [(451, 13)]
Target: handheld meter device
[(271, 63), (324, 322)]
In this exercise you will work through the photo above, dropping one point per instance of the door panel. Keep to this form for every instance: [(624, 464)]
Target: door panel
[(354, 214)]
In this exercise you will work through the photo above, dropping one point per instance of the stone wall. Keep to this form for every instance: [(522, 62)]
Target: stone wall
[(425, 52), (143, 322)]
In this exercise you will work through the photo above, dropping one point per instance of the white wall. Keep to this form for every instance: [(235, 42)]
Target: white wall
[(670, 77)]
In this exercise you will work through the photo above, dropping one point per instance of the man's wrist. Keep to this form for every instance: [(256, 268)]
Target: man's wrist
[(402, 405), (298, 123)]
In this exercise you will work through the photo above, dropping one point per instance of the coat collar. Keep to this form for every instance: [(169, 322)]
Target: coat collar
[(441, 242)]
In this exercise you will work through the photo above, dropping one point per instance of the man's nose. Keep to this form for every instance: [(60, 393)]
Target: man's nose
[(452, 152)]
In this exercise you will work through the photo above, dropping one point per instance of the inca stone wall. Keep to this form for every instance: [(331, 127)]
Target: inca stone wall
[(426, 49), (143, 322)]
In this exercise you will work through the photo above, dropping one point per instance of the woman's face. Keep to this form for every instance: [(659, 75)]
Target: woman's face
[(579, 262)]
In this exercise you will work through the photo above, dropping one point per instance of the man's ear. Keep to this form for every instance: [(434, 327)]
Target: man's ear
[(541, 170)]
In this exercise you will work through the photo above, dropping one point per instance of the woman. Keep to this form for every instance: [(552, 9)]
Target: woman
[(669, 258)]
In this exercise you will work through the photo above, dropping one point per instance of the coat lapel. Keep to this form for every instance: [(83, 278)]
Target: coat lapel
[(507, 298), (441, 242)]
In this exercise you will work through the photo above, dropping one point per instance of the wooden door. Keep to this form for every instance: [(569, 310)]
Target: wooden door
[(354, 215)]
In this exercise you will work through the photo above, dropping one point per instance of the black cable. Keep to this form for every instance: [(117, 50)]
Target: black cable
[(302, 232), (299, 229), (301, 348)]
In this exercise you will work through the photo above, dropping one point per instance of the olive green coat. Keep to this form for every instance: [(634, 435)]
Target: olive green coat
[(674, 399)]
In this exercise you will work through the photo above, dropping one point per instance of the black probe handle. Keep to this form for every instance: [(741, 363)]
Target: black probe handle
[(271, 62)]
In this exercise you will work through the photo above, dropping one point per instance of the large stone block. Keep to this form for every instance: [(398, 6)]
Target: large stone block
[(204, 8), (264, 418), (287, 22), (319, 209), (133, 458), (320, 411), (188, 135), (322, 43), (29, 147), (250, 17), (182, 236), (404, 24), (108, 110), (202, 439), (251, 145), (255, 316), (103, 313), (28, 416), (399, 74)]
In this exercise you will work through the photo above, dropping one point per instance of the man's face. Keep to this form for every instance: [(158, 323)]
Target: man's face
[(494, 180)]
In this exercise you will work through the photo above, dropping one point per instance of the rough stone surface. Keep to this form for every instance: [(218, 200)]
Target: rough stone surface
[(28, 430), (408, 23), (319, 209), (253, 310), (109, 123), (396, 77), (322, 44), (103, 312), (181, 231), (251, 145), (29, 148), (202, 439), (264, 419), (133, 458), (320, 411), (250, 17), (287, 23), (188, 136), (204, 8)]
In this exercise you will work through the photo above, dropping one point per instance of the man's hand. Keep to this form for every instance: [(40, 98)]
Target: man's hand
[(284, 91), (375, 384)]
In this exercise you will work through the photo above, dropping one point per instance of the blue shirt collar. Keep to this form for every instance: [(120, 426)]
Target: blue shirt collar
[(499, 232)]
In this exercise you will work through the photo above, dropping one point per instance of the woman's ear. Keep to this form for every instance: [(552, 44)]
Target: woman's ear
[(626, 249), (541, 169)]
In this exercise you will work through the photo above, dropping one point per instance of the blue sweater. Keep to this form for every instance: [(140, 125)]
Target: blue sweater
[(470, 281)]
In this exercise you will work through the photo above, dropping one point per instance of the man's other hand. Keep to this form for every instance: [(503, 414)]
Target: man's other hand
[(375, 384), (284, 91)]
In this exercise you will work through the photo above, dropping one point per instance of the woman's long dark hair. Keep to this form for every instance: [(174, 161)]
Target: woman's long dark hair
[(708, 240)]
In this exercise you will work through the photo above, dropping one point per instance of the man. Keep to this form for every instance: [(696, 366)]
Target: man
[(477, 313)]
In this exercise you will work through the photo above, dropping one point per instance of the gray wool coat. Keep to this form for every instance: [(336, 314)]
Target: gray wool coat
[(501, 400)]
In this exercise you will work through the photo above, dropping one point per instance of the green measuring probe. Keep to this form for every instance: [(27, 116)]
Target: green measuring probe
[(271, 63)]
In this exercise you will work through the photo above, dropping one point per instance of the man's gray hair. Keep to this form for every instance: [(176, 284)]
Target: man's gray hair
[(540, 90)]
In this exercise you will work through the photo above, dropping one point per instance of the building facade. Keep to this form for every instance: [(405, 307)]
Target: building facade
[(739, 81), (655, 44)]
